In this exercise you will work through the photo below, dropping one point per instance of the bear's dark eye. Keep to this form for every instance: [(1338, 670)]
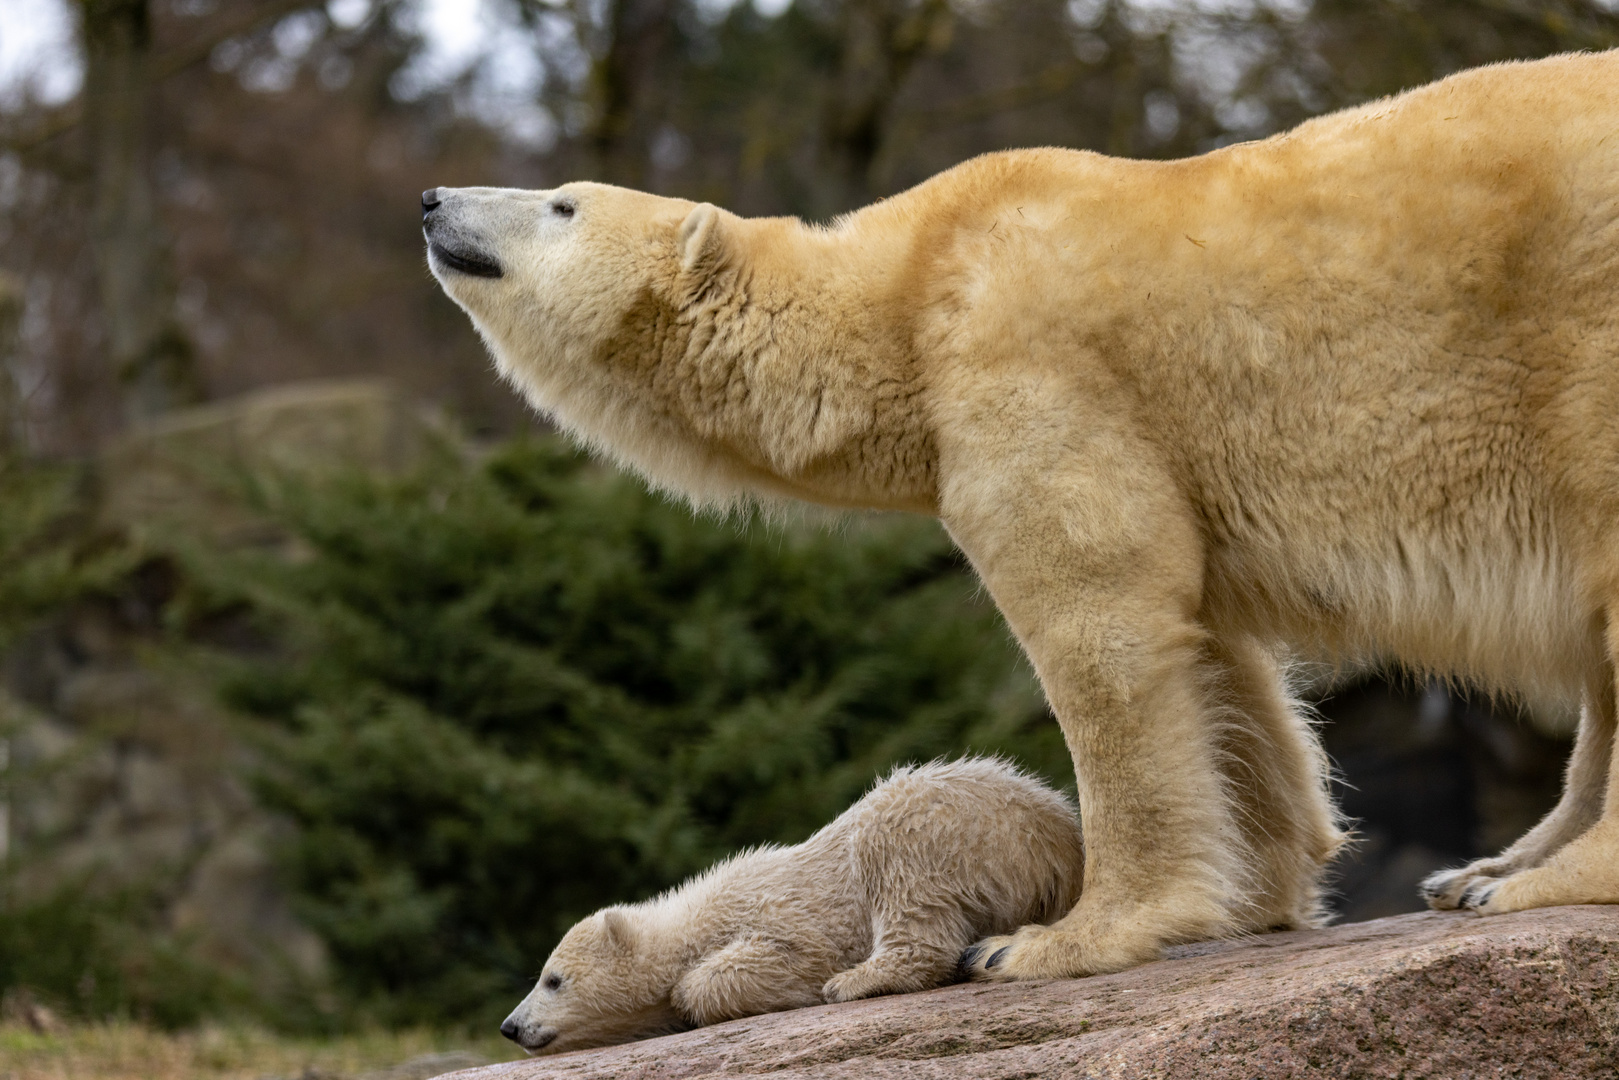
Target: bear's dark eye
[(562, 209), (552, 982)]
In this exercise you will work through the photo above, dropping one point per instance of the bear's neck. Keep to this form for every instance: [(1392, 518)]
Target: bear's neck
[(801, 364)]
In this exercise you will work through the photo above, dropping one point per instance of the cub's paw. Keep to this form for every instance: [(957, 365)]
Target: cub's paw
[(851, 985), (1445, 890), (903, 972)]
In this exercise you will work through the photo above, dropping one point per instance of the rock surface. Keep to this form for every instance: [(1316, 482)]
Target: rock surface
[(1447, 995)]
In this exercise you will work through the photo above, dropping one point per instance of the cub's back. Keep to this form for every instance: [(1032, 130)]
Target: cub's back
[(980, 831)]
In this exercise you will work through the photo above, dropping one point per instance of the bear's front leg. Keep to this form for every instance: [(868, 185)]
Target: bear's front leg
[(1164, 859), (1095, 560)]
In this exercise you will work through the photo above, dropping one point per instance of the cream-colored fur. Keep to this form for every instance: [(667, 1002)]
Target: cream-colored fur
[(881, 901), (1351, 392)]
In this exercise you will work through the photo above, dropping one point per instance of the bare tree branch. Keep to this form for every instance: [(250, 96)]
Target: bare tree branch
[(67, 117)]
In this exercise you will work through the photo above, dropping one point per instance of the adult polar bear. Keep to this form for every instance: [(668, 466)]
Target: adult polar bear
[(1350, 391)]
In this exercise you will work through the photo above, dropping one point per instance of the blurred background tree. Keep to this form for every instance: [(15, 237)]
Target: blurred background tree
[(209, 196), (431, 672), (518, 690)]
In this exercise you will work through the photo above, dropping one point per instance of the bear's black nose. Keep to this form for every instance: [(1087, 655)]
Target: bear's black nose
[(430, 201), (509, 1028)]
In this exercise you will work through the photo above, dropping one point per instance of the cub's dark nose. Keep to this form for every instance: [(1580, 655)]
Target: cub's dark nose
[(430, 201), (509, 1028)]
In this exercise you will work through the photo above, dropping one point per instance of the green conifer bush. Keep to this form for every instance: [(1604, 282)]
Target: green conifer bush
[(513, 690), (50, 551)]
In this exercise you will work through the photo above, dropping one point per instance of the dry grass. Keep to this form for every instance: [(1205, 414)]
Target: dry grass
[(131, 1052)]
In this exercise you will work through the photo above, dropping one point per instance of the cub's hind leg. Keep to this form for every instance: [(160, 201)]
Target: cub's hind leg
[(918, 926), (902, 964), (946, 854), (1573, 856), (750, 975), (1584, 783), (913, 873)]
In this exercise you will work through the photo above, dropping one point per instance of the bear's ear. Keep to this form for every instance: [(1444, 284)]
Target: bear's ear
[(620, 934), (701, 240)]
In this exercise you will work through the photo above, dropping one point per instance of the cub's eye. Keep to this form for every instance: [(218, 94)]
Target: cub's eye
[(562, 209), (552, 982)]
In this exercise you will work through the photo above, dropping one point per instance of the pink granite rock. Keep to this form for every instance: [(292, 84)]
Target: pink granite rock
[(1448, 995)]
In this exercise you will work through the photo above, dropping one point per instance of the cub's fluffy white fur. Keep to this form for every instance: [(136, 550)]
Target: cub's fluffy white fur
[(881, 901)]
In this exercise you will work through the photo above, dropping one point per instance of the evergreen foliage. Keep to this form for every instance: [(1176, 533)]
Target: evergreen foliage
[(98, 954), (525, 687), (49, 553), (89, 950)]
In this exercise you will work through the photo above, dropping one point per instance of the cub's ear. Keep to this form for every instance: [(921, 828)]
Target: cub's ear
[(620, 934), (701, 240)]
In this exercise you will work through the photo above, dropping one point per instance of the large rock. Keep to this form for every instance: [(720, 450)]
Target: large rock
[(183, 473), (1431, 995)]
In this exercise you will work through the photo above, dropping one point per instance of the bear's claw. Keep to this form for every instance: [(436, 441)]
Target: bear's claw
[(1479, 893), (1447, 890), (988, 960), (1443, 889), (1433, 891)]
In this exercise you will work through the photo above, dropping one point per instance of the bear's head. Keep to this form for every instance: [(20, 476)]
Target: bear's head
[(723, 358), (580, 294), (601, 985)]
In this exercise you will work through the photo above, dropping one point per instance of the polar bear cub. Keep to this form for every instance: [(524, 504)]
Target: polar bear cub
[(881, 901)]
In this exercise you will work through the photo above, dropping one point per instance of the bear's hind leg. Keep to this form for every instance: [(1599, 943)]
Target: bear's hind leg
[(1584, 784), (1585, 869)]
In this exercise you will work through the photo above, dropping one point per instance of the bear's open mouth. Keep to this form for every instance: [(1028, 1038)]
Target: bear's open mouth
[(466, 262)]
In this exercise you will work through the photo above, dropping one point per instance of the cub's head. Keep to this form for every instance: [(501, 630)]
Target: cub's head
[(602, 985), (576, 291)]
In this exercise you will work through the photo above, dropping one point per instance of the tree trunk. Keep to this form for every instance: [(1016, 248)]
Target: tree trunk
[(639, 32), (149, 352), (11, 312), (879, 42)]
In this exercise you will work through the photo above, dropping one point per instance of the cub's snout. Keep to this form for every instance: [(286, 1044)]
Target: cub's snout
[(530, 1038)]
